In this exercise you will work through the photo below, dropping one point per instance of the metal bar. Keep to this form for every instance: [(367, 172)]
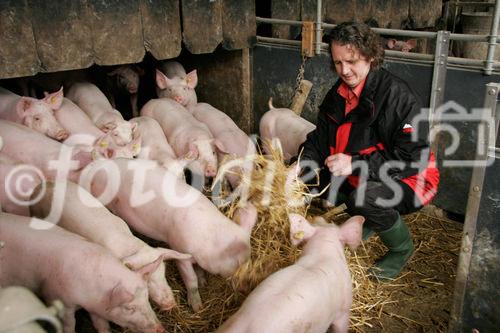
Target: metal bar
[(390, 53), (319, 29), (393, 32), (473, 204), (471, 3), (438, 80), (492, 39)]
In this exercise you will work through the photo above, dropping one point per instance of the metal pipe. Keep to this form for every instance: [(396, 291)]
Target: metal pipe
[(394, 32), (493, 39), (319, 29), (389, 53)]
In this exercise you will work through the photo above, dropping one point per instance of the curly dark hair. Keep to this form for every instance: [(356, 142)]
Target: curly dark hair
[(360, 36)]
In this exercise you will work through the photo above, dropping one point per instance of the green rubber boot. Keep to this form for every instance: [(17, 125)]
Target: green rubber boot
[(398, 241)]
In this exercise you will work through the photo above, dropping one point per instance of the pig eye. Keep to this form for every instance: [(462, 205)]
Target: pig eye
[(36, 118)]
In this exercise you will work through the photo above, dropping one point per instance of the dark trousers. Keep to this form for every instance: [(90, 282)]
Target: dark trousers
[(369, 200)]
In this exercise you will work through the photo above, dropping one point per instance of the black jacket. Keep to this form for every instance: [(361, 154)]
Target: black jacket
[(386, 108)]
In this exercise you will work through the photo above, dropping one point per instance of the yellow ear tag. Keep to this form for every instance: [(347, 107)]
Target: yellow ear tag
[(298, 235), (135, 147), (103, 144), (53, 99)]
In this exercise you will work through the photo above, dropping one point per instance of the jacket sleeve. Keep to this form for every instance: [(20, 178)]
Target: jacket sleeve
[(404, 151), (315, 148)]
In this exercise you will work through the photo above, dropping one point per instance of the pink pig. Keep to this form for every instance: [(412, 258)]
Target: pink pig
[(52, 158), (75, 121), (61, 265), (234, 141), (173, 82), (84, 215), (157, 204), (36, 114), (401, 45), (154, 143), (285, 125), (310, 295), (95, 104), (187, 135)]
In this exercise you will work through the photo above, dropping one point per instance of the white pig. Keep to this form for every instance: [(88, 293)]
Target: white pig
[(175, 213), (188, 136), (75, 121), (311, 295), (154, 144), (32, 148), (16, 186), (173, 82), (285, 125), (86, 216), (36, 114), (58, 264), (95, 104), (234, 141)]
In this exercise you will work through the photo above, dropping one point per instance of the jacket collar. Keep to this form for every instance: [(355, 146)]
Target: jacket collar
[(365, 110)]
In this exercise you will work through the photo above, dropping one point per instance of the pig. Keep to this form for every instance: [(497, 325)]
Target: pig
[(173, 82), (401, 45), (16, 186), (32, 148), (95, 104), (75, 121), (285, 125), (36, 114), (235, 142), (154, 143), (175, 213), (127, 78), (311, 295), (188, 136), (60, 265), (86, 216)]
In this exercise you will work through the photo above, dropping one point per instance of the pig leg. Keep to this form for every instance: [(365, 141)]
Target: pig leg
[(200, 273), (191, 282), (69, 321), (133, 103), (341, 324), (159, 290), (100, 324)]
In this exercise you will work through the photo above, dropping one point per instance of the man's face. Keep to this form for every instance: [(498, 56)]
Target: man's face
[(350, 65)]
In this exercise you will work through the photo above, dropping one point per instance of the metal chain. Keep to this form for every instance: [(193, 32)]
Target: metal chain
[(300, 76)]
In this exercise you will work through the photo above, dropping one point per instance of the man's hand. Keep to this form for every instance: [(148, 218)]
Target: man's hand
[(339, 164)]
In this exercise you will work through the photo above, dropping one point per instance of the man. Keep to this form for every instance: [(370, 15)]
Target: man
[(365, 147)]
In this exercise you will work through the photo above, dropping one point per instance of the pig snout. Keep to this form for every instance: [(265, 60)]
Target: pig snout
[(178, 99), (61, 135), (210, 171)]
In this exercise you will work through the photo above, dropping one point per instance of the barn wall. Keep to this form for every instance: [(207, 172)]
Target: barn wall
[(49, 36)]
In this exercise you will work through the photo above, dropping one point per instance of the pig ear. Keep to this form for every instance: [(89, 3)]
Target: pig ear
[(300, 229), (168, 254), (246, 217), (108, 127), (83, 158), (391, 42), (220, 146), (192, 79), (23, 106), (118, 296), (146, 270), (193, 152), (54, 100), (116, 71), (351, 230), (162, 80)]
